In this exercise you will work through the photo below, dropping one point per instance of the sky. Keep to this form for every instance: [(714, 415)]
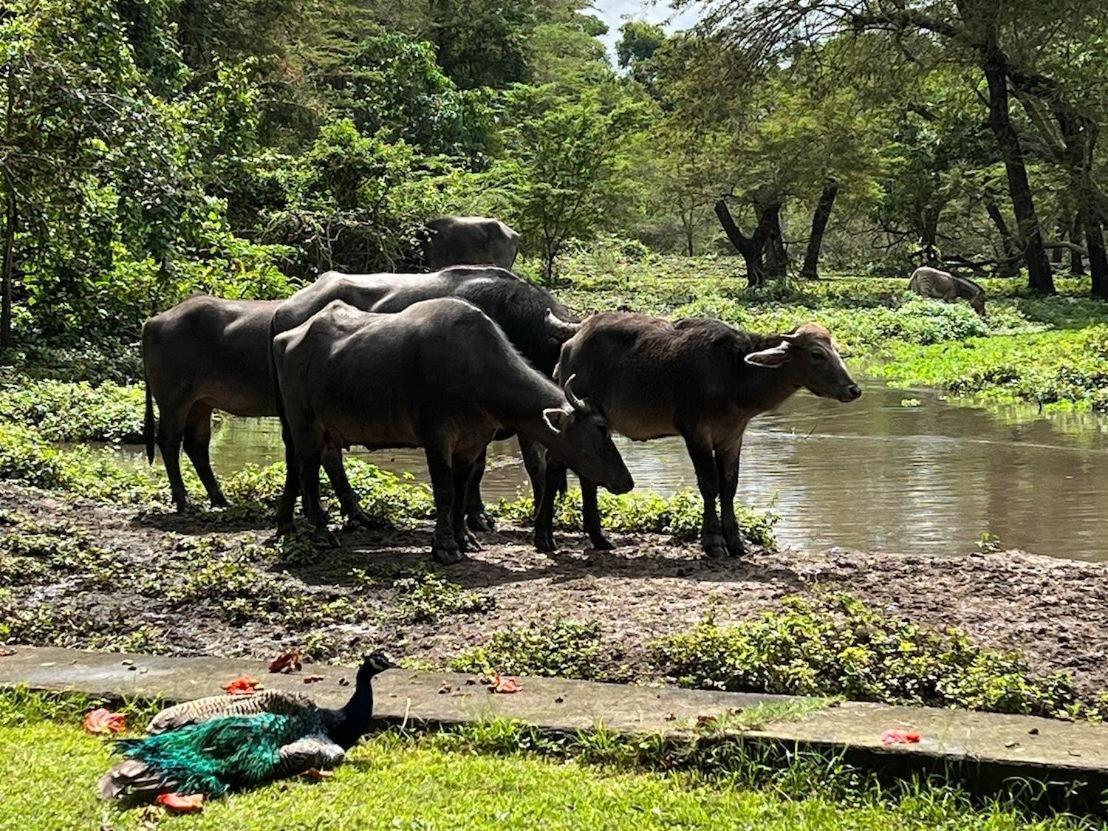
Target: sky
[(615, 12)]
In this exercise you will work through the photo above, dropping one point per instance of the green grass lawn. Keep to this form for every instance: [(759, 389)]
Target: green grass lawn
[(48, 770)]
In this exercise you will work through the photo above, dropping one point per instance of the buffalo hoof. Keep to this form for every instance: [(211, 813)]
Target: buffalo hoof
[(544, 541), (361, 519), (601, 543), (325, 537), (182, 506), (480, 521), (469, 542), (735, 548), (447, 554), (220, 502), (714, 545)]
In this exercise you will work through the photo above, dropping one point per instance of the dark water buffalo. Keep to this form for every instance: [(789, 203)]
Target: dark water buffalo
[(534, 321), (942, 285), (700, 379), (206, 353), (468, 240), (440, 375)]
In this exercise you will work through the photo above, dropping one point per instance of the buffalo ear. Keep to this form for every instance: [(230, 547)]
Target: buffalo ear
[(770, 357), (556, 418)]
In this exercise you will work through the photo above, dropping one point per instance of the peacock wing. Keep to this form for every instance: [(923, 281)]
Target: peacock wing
[(220, 706), (314, 751)]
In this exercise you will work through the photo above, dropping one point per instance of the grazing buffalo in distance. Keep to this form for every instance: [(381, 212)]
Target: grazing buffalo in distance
[(700, 379), (206, 353), (468, 240), (533, 320), (942, 285), (440, 375)]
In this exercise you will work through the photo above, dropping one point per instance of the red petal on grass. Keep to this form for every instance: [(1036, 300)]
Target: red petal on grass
[(242, 685), (900, 737), (317, 775), (286, 662), (181, 803), (5, 652), (104, 722)]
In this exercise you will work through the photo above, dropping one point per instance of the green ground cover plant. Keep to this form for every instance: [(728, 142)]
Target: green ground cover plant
[(501, 774), (74, 412), (834, 644)]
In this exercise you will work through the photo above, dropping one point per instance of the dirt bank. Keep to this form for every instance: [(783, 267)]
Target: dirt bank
[(178, 585)]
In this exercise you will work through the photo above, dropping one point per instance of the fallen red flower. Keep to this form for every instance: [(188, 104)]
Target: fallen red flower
[(181, 803), (103, 722), (286, 662), (504, 685), (242, 685), (899, 737)]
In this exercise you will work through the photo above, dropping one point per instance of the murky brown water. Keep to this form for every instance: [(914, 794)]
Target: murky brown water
[(874, 475)]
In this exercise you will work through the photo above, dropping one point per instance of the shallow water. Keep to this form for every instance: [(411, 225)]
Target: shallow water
[(878, 475)]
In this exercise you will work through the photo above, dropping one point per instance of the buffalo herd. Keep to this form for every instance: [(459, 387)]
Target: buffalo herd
[(450, 359)]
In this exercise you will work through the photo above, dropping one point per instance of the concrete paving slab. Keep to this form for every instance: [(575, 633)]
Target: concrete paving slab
[(1036, 746)]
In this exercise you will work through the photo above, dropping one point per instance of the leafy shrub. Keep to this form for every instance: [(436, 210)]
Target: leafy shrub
[(71, 412), (564, 648), (836, 645)]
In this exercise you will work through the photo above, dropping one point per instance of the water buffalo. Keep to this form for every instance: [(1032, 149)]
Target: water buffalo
[(534, 321), (206, 353), (440, 375), (942, 285), (700, 379), (468, 240)]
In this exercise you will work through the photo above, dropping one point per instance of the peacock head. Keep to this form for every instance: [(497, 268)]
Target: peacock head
[(374, 664)]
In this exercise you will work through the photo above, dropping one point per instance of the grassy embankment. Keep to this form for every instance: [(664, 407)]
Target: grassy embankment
[(501, 775)]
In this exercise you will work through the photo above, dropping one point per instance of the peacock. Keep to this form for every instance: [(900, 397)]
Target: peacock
[(214, 745)]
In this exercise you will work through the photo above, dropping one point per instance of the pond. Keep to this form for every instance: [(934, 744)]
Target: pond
[(898, 471)]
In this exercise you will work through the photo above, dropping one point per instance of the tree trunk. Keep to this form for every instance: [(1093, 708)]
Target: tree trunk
[(1077, 233), (749, 247), (1098, 258), (1039, 276), (810, 269), (1056, 254), (11, 218), (777, 259)]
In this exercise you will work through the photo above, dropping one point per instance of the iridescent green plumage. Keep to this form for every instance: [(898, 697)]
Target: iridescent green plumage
[(225, 753), (223, 743)]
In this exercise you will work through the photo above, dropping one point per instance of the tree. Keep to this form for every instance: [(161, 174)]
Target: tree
[(563, 175), (635, 50)]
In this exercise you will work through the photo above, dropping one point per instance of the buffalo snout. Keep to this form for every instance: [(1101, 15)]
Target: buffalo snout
[(851, 393), (624, 483)]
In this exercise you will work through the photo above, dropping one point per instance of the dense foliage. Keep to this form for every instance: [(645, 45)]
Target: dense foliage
[(152, 150)]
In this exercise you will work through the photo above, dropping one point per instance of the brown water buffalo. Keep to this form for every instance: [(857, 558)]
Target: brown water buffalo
[(942, 285), (468, 240), (700, 379), (440, 375), (534, 321), (206, 353)]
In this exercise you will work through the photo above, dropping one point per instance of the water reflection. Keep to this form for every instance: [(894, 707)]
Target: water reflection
[(928, 478)]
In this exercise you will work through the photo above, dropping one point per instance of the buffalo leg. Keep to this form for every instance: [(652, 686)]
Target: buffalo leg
[(544, 513), (348, 499), (444, 547), (309, 488), (590, 510), (535, 463), (727, 471), (463, 478), (170, 436), (287, 505), (711, 532), (477, 517), (198, 437)]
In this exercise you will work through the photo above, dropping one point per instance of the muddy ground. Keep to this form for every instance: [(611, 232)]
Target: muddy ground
[(143, 591)]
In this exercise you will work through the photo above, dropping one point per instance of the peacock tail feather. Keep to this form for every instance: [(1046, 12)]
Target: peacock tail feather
[(225, 753)]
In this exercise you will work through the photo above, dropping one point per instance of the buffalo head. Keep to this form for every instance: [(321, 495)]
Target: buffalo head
[(807, 358), (584, 442)]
